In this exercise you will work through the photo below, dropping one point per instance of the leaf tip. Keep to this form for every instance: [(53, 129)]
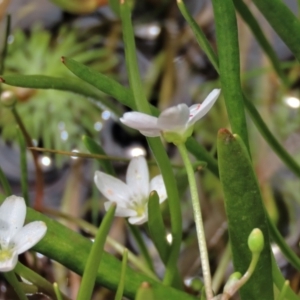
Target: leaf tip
[(2, 79), (145, 285), (225, 136)]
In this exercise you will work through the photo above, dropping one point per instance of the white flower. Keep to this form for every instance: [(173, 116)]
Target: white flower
[(14, 238), (131, 197), (175, 123)]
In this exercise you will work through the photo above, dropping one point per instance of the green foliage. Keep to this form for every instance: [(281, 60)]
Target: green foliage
[(57, 118), (245, 211)]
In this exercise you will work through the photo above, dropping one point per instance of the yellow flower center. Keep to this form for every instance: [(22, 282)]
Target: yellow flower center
[(140, 209), (5, 254)]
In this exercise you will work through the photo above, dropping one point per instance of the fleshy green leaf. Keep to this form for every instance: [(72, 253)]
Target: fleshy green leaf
[(145, 292), (58, 244), (245, 211)]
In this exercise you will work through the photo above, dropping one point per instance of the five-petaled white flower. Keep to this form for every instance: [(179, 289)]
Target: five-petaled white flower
[(174, 123), (14, 238), (131, 197)]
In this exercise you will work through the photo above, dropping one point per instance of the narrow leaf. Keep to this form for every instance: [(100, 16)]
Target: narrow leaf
[(145, 292), (94, 258), (100, 81), (283, 21), (229, 64), (70, 84), (250, 20), (279, 281), (156, 226), (142, 246), (199, 35)]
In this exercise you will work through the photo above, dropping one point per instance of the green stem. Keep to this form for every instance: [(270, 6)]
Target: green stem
[(249, 272), (15, 284), (142, 246), (141, 104), (198, 220), (38, 170), (23, 162), (43, 285), (218, 277)]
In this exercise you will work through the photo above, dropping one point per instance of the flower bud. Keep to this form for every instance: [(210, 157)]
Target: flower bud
[(256, 241), (231, 283), (8, 98)]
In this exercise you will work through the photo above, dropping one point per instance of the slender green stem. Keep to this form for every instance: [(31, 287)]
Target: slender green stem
[(248, 273), (43, 285), (142, 246), (198, 220), (141, 104), (15, 284), (119, 293), (38, 171), (23, 162), (221, 269), (200, 36)]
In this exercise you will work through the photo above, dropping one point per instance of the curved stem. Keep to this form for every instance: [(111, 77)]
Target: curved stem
[(198, 220), (15, 284)]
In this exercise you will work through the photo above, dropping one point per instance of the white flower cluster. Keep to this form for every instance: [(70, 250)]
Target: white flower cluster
[(175, 124)]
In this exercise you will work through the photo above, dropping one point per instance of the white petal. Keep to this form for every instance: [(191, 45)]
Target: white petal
[(9, 264), (120, 210), (12, 217), (138, 220), (112, 188), (157, 184), (174, 118), (147, 125), (29, 235), (137, 177), (197, 111)]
